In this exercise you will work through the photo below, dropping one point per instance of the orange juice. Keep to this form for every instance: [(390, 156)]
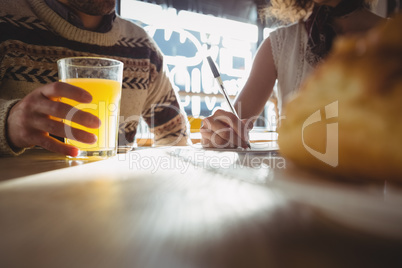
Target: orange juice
[(195, 123), (105, 104)]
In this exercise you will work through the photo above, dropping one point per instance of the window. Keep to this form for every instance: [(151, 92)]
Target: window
[(186, 39)]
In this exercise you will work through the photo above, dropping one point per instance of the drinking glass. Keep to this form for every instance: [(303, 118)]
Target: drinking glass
[(102, 78)]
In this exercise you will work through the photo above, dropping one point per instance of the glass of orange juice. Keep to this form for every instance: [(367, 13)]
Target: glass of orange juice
[(102, 78)]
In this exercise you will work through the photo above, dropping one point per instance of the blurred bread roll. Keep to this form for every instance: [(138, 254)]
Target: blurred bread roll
[(347, 118)]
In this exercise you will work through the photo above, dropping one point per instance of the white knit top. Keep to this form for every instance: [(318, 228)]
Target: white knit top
[(288, 49)]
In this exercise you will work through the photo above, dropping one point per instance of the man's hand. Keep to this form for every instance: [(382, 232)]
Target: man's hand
[(224, 130), (39, 114)]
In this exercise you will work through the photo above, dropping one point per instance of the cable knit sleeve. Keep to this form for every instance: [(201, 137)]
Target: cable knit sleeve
[(5, 148)]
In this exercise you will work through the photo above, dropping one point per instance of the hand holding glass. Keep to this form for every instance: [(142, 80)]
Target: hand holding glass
[(102, 78)]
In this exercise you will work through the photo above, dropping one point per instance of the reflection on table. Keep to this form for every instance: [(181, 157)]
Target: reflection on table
[(188, 207)]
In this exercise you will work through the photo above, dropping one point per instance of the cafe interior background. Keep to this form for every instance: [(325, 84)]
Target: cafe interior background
[(229, 31), (184, 207)]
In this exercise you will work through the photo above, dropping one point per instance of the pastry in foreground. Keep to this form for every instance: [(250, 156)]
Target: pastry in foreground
[(347, 118)]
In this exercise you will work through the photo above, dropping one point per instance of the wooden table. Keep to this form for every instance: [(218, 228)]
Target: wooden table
[(187, 207)]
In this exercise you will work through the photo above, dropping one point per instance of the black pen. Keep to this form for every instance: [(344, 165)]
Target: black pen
[(224, 93)]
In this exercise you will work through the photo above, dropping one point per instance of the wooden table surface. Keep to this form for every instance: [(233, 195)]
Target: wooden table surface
[(34, 161), (186, 207)]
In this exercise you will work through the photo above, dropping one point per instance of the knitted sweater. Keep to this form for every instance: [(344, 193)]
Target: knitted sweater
[(33, 37)]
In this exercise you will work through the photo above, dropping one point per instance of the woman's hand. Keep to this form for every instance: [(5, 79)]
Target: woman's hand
[(39, 114), (224, 130)]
